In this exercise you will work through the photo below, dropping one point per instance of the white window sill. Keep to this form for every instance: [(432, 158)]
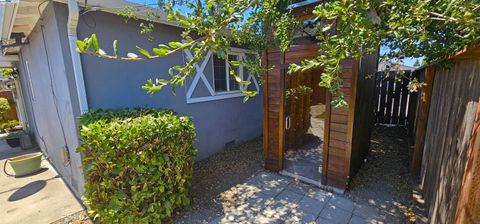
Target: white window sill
[(228, 92), (220, 96)]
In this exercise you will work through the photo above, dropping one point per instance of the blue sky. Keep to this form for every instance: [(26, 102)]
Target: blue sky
[(411, 61), (406, 61)]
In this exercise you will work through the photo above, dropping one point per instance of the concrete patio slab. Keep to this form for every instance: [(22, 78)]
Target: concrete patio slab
[(271, 198), (336, 214), (38, 198)]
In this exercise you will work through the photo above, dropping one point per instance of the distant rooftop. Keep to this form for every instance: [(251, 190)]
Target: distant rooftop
[(394, 67)]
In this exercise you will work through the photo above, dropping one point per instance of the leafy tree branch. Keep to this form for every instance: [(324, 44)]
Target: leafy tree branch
[(343, 29)]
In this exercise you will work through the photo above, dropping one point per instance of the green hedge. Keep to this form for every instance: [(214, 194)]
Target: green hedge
[(137, 164)]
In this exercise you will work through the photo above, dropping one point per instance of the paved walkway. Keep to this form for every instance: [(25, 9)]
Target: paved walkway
[(270, 198), (38, 198)]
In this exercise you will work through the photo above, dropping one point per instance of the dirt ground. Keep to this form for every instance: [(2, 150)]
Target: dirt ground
[(384, 180), (217, 174)]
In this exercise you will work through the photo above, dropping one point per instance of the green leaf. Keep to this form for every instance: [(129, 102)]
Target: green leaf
[(144, 52), (249, 93), (160, 51), (210, 5), (81, 46), (89, 167), (115, 48), (88, 42), (95, 42), (237, 78), (234, 63), (175, 44), (184, 23)]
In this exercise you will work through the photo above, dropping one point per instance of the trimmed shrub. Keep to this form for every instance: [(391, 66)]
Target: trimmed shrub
[(137, 164), (9, 125), (4, 107)]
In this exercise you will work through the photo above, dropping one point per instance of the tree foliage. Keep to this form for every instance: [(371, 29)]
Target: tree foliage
[(4, 107), (342, 28)]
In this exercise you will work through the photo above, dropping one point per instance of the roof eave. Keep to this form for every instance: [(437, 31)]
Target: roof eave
[(8, 11), (113, 6)]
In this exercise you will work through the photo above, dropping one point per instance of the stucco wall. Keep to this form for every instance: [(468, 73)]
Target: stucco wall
[(112, 84), (51, 104), (48, 101)]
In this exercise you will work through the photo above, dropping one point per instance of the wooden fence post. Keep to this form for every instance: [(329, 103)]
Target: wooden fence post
[(422, 120)]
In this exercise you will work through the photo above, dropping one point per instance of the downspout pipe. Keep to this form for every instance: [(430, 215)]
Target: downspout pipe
[(73, 16)]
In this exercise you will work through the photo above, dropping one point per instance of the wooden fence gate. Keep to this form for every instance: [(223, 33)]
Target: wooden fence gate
[(394, 103)]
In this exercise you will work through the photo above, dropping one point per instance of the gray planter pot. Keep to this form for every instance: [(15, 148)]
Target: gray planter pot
[(26, 164)]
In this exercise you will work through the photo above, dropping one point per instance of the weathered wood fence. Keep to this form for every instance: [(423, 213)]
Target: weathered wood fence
[(449, 142), (393, 103)]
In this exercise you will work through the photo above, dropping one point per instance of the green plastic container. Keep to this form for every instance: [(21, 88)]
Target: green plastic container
[(26, 164)]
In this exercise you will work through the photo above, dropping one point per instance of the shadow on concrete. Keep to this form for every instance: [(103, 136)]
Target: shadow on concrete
[(28, 190)]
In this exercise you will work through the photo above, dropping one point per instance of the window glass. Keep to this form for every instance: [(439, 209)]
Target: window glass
[(219, 72)]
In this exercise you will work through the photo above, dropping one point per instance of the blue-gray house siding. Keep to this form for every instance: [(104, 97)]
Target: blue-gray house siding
[(112, 84), (46, 88), (115, 84)]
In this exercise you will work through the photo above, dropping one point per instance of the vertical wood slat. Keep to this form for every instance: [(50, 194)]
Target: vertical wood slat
[(274, 112), (376, 95), (296, 118), (266, 132), (468, 206), (351, 118), (412, 108), (289, 112), (422, 120), (304, 108), (308, 98), (383, 101), (388, 106), (326, 137), (403, 104), (396, 103)]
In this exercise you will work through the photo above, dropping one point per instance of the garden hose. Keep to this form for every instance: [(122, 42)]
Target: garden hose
[(5, 168)]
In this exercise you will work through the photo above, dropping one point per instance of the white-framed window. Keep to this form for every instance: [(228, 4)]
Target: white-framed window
[(220, 85), (223, 81)]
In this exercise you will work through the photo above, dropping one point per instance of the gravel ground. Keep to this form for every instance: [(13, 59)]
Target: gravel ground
[(384, 180), (77, 218), (217, 174)]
